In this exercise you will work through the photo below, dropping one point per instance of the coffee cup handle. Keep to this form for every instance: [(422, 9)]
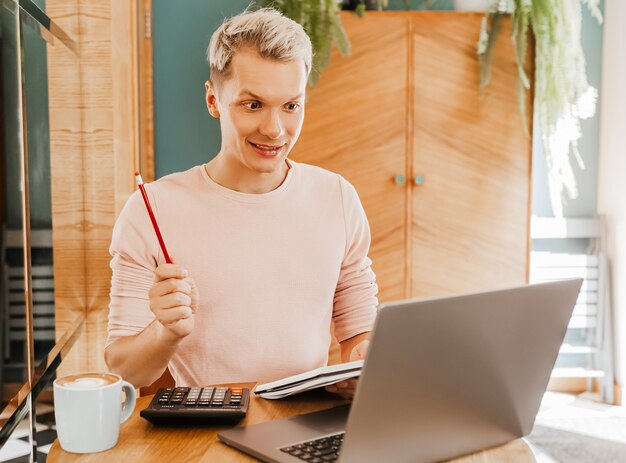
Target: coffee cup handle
[(129, 403)]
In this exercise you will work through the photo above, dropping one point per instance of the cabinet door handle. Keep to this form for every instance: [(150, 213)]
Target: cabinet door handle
[(418, 180), (399, 179)]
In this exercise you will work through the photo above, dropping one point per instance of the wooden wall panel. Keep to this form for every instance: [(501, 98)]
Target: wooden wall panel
[(126, 97), (99, 175), (355, 125), (93, 147), (66, 164), (146, 90), (471, 216)]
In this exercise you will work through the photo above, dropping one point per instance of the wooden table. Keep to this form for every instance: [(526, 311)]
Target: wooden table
[(140, 441)]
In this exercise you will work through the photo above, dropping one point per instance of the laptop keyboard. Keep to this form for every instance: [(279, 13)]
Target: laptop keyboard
[(322, 450)]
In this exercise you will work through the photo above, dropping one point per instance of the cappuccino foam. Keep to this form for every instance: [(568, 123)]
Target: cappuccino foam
[(87, 381)]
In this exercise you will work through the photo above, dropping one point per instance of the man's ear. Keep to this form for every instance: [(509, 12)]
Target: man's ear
[(211, 99)]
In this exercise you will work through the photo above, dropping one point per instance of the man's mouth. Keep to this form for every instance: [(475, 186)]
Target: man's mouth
[(267, 150)]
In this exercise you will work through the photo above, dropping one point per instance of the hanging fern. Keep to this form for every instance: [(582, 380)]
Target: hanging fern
[(563, 96), (320, 19)]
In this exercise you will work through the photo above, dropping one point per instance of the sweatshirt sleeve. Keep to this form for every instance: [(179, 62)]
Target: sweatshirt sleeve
[(355, 299), (133, 263)]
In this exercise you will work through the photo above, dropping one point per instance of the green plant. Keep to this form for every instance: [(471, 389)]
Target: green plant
[(563, 96), (320, 20)]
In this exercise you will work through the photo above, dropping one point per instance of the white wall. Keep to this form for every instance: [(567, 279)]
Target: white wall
[(612, 167)]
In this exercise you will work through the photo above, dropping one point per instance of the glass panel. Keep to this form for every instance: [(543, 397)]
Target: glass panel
[(29, 101), (12, 308), (37, 129), (14, 419)]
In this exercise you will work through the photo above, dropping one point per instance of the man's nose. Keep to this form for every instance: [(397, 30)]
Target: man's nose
[(272, 126)]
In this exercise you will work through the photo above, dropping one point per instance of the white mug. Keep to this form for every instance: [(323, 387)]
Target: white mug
[(88, 410)]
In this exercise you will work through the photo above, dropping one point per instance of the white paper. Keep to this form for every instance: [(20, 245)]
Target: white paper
[(312, 379)]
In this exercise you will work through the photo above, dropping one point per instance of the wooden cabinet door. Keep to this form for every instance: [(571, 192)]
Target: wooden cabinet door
[(470, 216), (356, 125)]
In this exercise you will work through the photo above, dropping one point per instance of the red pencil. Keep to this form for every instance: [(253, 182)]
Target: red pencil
[(152, 218)]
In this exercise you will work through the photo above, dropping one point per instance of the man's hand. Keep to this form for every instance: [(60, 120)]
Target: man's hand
[(174, 300), (345, 389)]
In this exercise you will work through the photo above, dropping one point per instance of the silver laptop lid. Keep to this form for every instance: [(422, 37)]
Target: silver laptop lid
[(449, 376)]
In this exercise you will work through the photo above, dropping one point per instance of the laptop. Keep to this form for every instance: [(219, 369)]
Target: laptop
[(443, 377)]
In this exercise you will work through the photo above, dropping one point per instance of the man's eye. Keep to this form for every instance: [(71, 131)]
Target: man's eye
[(293, 106), (252, 104)]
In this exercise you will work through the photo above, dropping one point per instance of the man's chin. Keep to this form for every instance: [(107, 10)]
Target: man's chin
[(268, 166)]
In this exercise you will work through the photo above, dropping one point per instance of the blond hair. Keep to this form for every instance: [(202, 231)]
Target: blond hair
[(271, 34)]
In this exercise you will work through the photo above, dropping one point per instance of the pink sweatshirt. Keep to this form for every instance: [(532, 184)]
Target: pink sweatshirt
[(272, 271)]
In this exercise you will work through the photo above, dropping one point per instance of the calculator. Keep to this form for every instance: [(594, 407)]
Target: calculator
[(198, 405)]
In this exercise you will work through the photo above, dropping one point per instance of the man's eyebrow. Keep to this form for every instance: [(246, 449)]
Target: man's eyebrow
[(257, 97)]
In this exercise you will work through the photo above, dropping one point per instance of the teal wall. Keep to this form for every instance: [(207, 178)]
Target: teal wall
[(11, 120), (185, 134), (38, 125), (35, 70), (587, 180)]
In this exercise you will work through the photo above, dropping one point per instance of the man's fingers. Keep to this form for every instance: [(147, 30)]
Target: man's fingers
[(165, 271), (170, 300), (173, 314), (193, 292), (343, 387), (171, 285)]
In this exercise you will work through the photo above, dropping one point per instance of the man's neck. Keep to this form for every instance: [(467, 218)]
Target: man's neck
[(234, 176)]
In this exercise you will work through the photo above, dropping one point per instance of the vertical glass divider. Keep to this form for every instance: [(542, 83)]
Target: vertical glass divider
[(28, 291)]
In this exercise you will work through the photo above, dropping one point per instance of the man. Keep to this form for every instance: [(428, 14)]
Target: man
[(267, 251)]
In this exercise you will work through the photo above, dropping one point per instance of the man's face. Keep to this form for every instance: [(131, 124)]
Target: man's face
[(261, 110)]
